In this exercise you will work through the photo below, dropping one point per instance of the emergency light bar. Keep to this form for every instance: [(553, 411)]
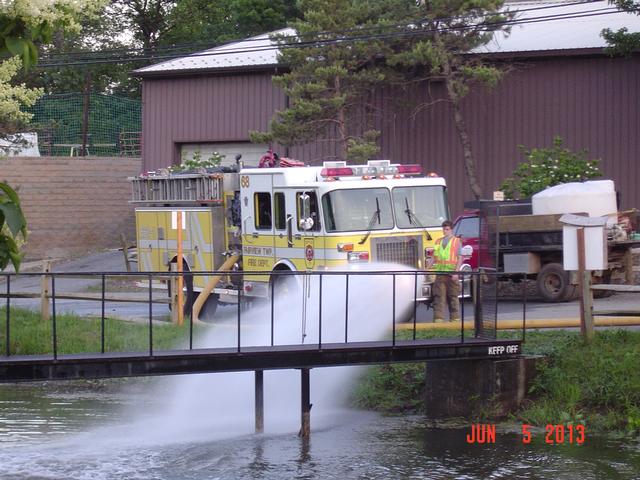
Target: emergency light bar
[(373, 169)]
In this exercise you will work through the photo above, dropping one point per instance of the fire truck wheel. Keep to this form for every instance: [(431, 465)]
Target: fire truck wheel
[(553, 283), (284, 286), (208, 310)]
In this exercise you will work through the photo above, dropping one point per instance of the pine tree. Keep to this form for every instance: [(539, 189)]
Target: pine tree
[(449, 30), (332, 78)]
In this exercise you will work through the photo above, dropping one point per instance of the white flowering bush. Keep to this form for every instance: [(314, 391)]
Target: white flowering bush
[(13, 97), (34, 12), (546, 167), (196, 162), (27, 23)]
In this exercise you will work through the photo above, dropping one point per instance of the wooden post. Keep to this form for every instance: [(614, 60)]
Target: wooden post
[(44, 291), (125, 251), (586, 298), (305, 401), (629, 277), (179, 263), (259, 400)]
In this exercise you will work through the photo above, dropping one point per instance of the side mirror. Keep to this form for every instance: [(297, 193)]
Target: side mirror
[(306, 223)]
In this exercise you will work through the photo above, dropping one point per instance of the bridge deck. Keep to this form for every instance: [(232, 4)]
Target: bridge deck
[(248, 358)]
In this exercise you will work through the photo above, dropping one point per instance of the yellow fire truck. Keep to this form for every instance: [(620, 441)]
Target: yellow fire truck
[(286, 218)]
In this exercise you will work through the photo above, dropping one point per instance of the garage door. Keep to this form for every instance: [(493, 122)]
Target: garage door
[(251, 152)]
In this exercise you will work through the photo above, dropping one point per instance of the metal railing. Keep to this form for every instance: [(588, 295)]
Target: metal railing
[(322, 294)]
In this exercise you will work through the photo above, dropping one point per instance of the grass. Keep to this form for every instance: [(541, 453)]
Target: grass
[(398, 387), (597, 383), (29, 335)]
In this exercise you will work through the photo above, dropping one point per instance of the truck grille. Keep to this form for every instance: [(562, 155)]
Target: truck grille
[(404, 250)]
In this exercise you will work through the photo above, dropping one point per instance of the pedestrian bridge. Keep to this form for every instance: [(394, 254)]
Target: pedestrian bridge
[(171, 362), (343, 308)]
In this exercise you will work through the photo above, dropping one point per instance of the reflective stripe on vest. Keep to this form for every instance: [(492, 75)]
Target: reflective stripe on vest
[(446, 258)]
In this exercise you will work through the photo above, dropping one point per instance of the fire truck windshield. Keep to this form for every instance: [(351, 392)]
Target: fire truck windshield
[(420, 206), (353, 210)]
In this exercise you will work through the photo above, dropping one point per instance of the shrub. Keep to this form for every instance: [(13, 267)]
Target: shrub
[(546, 167)]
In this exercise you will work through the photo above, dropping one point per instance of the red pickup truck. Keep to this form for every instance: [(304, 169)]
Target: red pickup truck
[(467, 228), (533, 245)]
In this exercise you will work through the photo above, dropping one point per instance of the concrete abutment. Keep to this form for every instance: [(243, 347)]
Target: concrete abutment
[(471, 387)]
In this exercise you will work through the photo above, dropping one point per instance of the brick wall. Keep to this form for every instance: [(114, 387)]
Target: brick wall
[(73, 205)]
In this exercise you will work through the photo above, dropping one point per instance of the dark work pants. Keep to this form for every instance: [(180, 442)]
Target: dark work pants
[(445, 292)]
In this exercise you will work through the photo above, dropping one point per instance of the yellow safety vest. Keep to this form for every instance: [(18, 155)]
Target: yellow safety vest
[(446, 258)]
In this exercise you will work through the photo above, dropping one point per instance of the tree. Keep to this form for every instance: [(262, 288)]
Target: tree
[(13, 227), (204, 21), (376, 45), (546, 167), (332, 76), (622, 42), (23, 24), (148, 20), (13, 98), (450, 30), (100, 33), (151, 25)]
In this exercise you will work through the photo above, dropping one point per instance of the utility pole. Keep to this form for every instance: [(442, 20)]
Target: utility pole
[(85, 112)]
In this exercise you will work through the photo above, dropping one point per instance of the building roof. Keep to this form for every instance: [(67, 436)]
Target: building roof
[(560, 25), (540, 26), (258, 51)]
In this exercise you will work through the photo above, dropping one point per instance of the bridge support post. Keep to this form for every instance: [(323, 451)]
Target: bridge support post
[(305, 426), (259, 400), (462, 388)]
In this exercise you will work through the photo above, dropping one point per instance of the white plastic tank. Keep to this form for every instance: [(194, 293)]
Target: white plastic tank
[(596, 198)]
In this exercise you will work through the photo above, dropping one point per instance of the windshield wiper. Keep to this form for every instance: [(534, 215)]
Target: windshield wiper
[(413, 219), (375, 215)]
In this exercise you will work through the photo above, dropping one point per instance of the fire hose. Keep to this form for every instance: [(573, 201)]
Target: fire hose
[(211, 284)]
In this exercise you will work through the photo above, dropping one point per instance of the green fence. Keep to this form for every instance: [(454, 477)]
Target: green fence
[(113, 125)]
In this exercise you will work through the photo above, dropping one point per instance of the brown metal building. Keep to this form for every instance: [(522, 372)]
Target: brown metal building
[(561, 83)]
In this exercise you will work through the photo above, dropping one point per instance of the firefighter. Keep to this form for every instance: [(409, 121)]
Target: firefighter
[(447, 257)]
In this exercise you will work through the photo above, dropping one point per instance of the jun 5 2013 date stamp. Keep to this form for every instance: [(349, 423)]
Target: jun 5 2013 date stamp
[(554, 434)]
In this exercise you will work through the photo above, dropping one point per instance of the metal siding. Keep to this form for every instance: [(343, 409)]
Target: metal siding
[(586, 101), (203, 109)]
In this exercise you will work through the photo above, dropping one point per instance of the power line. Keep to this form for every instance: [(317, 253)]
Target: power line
[(342, 40), (208, 45), (91, 57)]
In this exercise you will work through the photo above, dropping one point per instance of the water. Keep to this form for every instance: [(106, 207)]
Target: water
[(52, 434), (201, 426)]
